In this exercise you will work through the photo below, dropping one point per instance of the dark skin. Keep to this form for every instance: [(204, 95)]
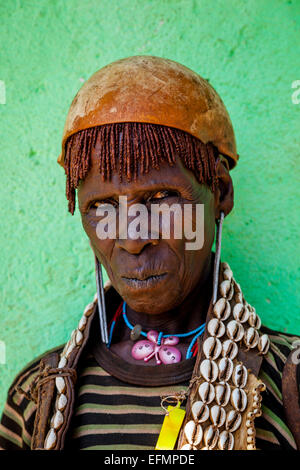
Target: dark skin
[(177, 299)]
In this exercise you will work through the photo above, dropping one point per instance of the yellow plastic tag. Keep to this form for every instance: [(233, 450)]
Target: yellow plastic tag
[(170, 428)]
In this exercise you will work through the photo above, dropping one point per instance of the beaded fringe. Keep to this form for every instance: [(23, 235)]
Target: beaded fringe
[(132, 149)]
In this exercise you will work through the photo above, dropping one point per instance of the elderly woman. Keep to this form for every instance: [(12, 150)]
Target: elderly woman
[(169, 354)]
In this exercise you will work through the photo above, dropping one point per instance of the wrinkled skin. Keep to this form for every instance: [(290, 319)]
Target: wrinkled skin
[(179, 300)]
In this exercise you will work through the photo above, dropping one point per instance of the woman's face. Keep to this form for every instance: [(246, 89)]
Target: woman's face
[(153, 275)]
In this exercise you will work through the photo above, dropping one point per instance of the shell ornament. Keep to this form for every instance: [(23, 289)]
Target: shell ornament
[(225, 398)]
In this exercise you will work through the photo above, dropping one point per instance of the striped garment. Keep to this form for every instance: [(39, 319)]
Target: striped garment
[(113, 415)]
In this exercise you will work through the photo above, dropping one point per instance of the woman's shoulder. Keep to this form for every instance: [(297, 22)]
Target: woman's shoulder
[(25, 378)]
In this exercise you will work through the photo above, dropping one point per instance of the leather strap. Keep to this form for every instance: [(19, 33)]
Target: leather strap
[(45, 394)]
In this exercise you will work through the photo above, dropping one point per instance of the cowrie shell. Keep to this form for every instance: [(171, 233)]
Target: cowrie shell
[(226, 441), (58, 420), (212, 347), (227, 274), (193, 433), (263, 344), (230, 293), (200, 412), (60, 384), (240, 376), (233, 421), (217, 415), (79, 338), (82, 323), (206, 392), (222, 309), (216, 327), (89, 308), (240, 312), (188, 447), (225, 288), (209, 370), (70, 347), (50, 440), (222, 392), (211, 435), (225, 366), (62, 402), (251, 337), (229, 349), (238, 399), (235, 330), (254, 320), (225, 265), (238, 297), (62, 362), (73, 337)]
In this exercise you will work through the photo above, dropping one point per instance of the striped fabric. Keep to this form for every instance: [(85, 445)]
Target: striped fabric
[(110, 414)]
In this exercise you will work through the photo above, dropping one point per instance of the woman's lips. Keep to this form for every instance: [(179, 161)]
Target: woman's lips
[(149, 281)]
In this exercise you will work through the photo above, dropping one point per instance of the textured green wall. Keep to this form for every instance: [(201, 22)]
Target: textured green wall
[(250, 53)]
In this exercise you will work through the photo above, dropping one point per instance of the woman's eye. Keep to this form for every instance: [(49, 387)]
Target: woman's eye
[(96, 204), (163, 194)]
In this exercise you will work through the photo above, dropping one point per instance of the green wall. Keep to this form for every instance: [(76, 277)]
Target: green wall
[(250, 53)]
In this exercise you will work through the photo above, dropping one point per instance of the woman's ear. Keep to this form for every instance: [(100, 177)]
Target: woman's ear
[(224, 191)]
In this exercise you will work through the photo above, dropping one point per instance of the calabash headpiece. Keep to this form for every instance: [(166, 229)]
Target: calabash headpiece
[(152, 90)]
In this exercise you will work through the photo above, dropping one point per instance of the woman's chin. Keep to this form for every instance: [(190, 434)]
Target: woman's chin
[(153, 298)]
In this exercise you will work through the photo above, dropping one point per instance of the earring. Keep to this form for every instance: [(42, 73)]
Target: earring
[(101, 301), (217, 257)]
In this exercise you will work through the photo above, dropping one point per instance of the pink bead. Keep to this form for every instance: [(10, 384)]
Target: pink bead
[(142, 349), (171, 340), (169, 355), (152, 335)]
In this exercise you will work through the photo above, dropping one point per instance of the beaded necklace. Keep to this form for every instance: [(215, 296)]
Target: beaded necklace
[(157, 344)]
